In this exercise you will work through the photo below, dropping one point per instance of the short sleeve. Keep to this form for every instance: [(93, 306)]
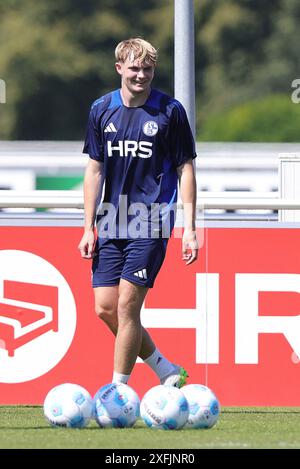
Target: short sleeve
[(93, 144), (181, 138)]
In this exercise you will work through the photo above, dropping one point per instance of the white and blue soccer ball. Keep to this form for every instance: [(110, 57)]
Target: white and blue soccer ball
[(164, 407), (203, 404), (116, 405), (68, 405)]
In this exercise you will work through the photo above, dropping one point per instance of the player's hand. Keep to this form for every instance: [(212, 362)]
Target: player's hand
[(87, 245), (189, 246)]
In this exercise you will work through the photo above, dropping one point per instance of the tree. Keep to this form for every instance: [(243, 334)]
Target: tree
[(272, 119), (57, 57)]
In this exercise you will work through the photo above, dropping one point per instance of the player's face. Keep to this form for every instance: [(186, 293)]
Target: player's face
[(136, 77)]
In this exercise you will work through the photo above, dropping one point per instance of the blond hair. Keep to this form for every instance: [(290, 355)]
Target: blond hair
[(136, 49)]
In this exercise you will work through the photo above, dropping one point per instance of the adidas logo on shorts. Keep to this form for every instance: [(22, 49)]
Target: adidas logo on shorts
[(141, 274)]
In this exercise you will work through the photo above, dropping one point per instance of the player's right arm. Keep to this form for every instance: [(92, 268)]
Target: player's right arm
[(91, 190)]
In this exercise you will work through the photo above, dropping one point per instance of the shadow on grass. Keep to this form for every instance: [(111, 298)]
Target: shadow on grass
[(71, 429), (277, 412)]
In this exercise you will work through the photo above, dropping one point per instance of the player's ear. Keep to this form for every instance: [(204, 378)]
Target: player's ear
[(118, 67)]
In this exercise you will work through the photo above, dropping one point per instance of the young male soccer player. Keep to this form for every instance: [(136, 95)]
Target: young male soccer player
[(140, 144)]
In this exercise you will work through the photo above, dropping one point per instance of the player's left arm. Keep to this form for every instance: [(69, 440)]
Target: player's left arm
[(188, 192)]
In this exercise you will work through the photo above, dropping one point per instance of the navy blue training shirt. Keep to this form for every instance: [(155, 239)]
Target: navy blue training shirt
[(141, 148)]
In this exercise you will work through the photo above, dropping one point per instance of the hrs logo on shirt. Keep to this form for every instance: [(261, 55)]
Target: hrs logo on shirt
[(142, 149)]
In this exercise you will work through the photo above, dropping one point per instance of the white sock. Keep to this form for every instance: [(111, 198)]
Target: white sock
[(159, 364), (119, 378)]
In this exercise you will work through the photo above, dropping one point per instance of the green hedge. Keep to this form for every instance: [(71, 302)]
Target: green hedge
[(272, 119)]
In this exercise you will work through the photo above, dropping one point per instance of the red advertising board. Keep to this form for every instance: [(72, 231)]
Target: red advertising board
[(231, 319)]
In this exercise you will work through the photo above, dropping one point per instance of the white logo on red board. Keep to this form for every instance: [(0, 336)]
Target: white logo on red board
[(249, 324), (37, 316)]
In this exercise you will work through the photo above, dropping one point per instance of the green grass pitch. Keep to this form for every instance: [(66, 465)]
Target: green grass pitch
[(237, 428)]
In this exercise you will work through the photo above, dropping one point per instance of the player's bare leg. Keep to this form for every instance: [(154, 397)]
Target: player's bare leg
[(106, 305), (129, 336)]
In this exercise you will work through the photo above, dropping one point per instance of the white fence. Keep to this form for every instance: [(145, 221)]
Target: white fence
[(220, 166), (233, 179), (207, 201)]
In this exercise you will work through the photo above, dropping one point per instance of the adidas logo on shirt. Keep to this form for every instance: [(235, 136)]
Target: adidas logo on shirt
[(141, 274), (110, 128)]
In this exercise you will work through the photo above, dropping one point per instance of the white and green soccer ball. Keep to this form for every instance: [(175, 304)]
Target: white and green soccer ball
[(204, 407), (68, 405), (116, 405), (164, 407)]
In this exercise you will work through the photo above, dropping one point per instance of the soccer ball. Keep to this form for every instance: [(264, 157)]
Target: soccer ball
[(68, 405), (203, 404), (117, 405), (164, 407)]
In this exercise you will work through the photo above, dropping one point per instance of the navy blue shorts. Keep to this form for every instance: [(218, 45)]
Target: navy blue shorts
[(135, 260)]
